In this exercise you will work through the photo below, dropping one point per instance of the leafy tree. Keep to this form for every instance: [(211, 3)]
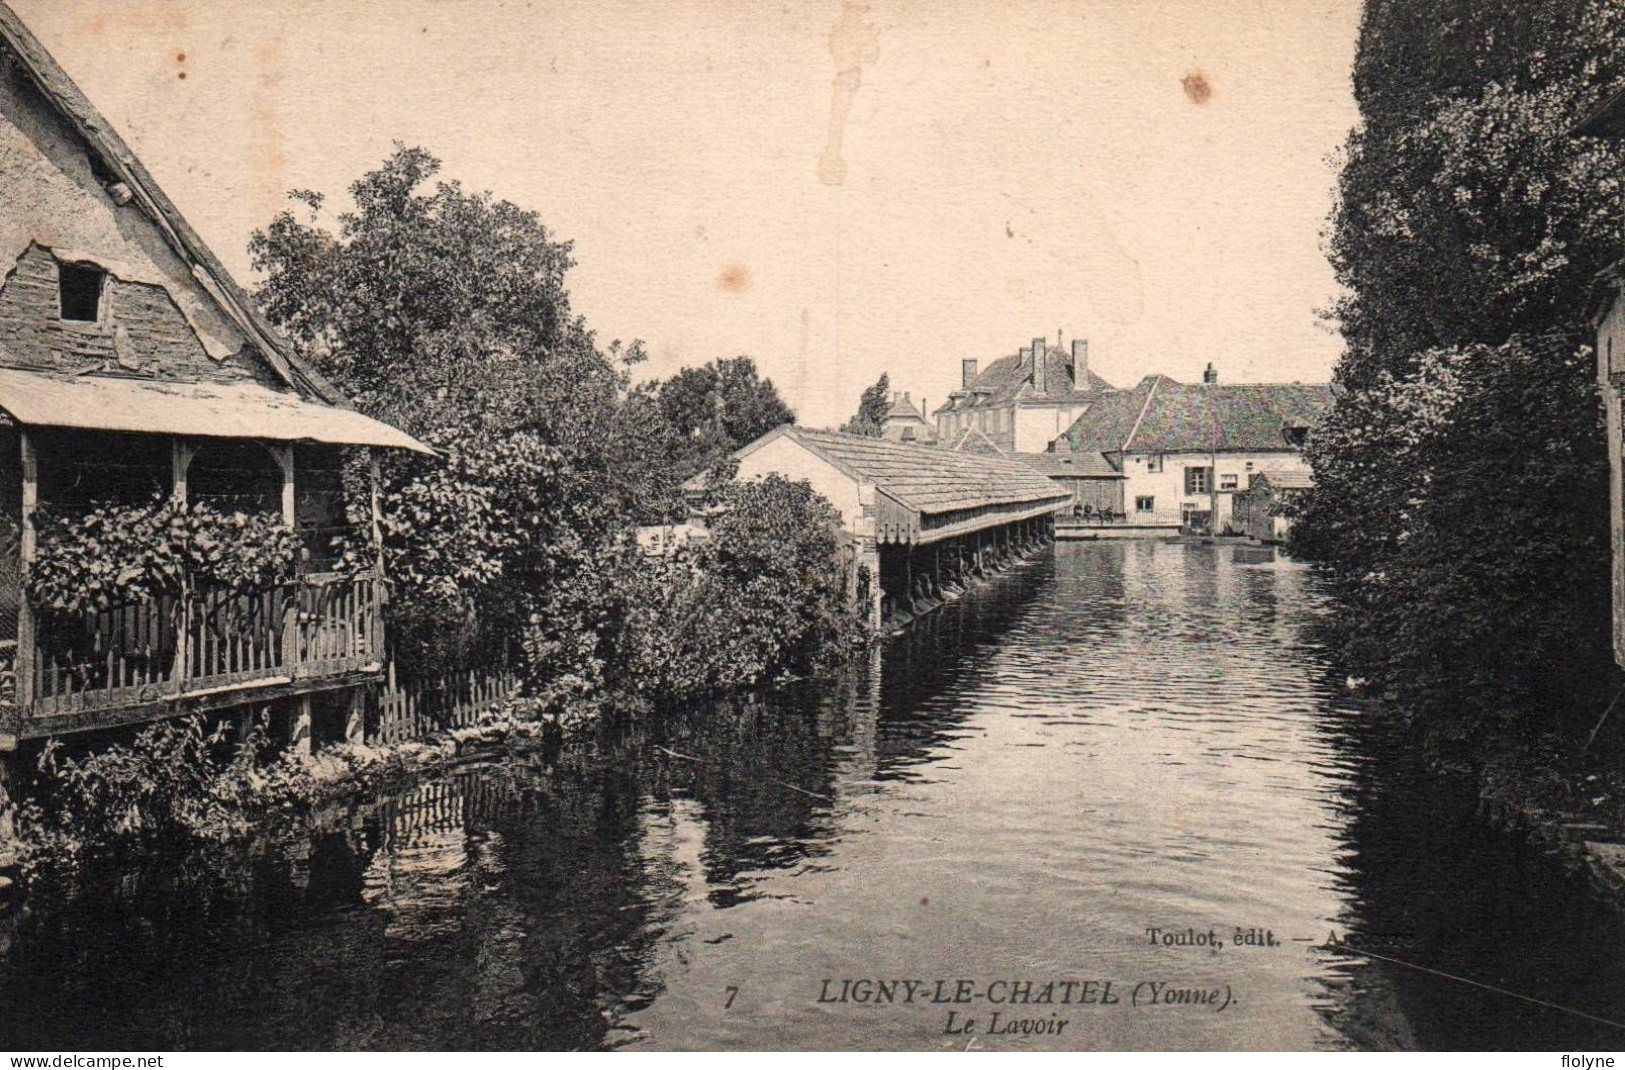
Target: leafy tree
[(1460, 472), (710, 411), (872, 405), (446, 313)]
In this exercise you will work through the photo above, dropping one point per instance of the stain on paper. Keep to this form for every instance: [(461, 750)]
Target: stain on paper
[(1197, 87), (852, 44)]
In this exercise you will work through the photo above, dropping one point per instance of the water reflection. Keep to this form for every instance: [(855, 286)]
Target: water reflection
[(1113, 737)]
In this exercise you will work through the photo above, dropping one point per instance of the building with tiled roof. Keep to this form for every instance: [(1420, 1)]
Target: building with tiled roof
[(905, 423), (1185, 449), (1088, 478), (132, 367), (911, 494), (913, 514), (1023, 401), (1263, 510)]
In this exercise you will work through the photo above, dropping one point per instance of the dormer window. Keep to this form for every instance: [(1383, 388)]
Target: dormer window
[(79, 291)]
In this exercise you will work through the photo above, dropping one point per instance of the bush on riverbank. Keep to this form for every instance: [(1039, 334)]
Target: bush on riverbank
[(1460, 498), (765, 599)]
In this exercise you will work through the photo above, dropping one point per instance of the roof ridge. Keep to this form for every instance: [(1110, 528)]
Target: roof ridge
[(1156, 381)]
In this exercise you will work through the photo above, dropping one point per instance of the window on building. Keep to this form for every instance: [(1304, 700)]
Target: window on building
[(1198, 480), (1228, 481), (908, 434), (1153, 463), (1145, 503), (79, 291)]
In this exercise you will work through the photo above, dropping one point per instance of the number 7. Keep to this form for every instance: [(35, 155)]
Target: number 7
[(732, 990)]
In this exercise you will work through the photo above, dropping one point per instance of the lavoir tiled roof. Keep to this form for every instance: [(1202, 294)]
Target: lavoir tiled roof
[(924, 478)]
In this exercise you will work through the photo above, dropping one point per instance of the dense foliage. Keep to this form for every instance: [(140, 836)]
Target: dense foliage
[(700, 416), (447, 313), (177, 778), (116, 554), (870, 419), (1461, 491), (766, 597)]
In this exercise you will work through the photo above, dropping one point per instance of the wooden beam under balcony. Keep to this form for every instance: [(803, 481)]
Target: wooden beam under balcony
[(264, 692)]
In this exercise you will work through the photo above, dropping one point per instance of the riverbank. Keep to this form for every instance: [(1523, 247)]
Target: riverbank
[(1571, 811), (236, 800)]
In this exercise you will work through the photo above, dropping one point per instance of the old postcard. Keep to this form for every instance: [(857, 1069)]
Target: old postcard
[(858, 525)]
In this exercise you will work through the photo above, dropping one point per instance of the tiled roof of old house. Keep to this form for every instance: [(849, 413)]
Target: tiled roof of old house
[(149, 406), (923, 478), (1010, 378), (973, 440), (1286, 479), (1087, 465), (1161, 415)]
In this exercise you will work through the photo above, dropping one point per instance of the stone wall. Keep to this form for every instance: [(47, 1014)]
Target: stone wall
[(141, 330)]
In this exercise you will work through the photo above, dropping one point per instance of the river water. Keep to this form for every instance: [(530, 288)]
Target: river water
[(994, 810)]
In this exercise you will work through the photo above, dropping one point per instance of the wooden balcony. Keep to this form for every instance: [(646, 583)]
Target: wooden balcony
[(211, 649)]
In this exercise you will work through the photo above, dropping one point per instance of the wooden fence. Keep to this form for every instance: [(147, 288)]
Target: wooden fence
[(142, 652), (412, 709)]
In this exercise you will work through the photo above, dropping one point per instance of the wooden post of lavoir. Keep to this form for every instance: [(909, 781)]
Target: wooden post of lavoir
[(375, 509), (27, 654)]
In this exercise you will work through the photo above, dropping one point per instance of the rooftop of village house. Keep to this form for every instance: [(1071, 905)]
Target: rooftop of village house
[(1063, 376), (1163, 415), (903, 408)]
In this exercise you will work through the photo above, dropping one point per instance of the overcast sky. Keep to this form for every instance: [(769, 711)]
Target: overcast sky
[(836, 190)]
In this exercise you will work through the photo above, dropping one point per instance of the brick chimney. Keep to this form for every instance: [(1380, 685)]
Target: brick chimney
[(967, 373), (1211, 375), (1080, 362), (1040, 366)]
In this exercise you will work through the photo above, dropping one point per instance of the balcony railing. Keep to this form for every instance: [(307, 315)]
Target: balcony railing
[(210, 641)]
